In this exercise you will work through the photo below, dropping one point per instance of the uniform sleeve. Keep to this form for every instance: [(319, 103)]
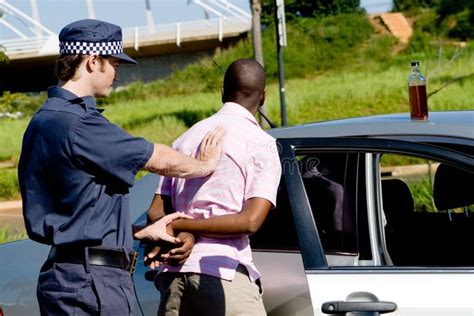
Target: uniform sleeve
[(263, 171), (105, 149)]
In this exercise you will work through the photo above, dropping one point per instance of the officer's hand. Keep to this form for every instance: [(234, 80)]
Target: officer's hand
[(135, 229), (153, 253), (177, 256), (157, 231), (151, 256), (211, 147)]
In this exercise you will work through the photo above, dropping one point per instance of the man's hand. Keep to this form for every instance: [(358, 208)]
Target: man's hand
[(158, 230), (177, 256), (170, 253)]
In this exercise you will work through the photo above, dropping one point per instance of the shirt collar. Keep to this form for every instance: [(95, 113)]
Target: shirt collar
[(88, 102), (233, 108)]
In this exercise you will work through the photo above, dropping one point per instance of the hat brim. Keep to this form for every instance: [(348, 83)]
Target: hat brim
[(125, 58)]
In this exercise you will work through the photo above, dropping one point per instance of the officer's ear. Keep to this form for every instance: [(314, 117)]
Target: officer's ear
[(93, 62)]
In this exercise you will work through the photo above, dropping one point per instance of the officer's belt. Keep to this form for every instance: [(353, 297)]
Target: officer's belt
[(97, 256)]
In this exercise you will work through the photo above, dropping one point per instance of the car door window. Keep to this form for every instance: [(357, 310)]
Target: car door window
[(332, 184), (429, 212)]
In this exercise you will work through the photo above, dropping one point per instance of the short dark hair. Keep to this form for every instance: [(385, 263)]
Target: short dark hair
[(244, 79), (66, 66)]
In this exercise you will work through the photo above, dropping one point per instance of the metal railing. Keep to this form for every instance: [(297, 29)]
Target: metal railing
[(138, 36)]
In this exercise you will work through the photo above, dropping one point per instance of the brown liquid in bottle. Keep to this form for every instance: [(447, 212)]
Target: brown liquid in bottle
[(418, 104)]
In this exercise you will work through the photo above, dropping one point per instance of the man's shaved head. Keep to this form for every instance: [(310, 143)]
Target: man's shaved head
[(244, 83)]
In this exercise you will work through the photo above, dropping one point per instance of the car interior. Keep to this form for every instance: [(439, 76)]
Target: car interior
[(439, 237)]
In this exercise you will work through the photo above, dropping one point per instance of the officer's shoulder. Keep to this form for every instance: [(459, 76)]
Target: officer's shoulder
[(63, 106)]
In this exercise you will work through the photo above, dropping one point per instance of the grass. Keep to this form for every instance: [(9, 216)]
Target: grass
[(9, 188), (9, 233), (422, 192), (11, 133)]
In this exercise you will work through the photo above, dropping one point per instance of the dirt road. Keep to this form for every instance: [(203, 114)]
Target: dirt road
[(11, 213)]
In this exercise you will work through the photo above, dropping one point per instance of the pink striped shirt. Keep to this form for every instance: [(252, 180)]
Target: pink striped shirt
[(249, 167)]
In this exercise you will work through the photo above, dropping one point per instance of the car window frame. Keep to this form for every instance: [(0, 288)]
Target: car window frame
[(310, 244)]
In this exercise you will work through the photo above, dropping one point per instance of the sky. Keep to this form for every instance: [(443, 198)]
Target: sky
[(54, 14)]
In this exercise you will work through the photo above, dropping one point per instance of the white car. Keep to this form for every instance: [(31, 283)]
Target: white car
[(375, 215)]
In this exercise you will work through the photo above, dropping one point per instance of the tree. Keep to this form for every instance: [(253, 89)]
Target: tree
[(456, 18), (3, 56), (406, 5), (256, 31), (257, 44), (312, 8)]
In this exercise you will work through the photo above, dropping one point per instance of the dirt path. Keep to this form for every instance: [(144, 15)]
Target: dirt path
[(11, 213)]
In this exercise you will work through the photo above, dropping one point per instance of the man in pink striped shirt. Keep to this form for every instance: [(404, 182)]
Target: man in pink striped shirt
[(219, 276)]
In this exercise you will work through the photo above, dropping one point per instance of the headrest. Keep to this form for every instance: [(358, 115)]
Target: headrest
[(397, 199), (453, 187)]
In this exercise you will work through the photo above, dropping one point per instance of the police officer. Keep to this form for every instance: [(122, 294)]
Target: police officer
[(75, 172)]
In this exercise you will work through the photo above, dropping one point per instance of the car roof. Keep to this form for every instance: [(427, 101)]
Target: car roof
[(440, 123)]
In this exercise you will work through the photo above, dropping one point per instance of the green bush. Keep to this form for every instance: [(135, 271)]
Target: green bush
[(316, 45), (452, 18), (463, 28), (20, 102), (405, 5)]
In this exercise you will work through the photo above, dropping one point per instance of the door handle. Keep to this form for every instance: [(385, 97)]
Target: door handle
[(359, 303)]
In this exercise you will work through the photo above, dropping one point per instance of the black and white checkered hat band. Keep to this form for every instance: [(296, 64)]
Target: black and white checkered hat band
[(88, 48)]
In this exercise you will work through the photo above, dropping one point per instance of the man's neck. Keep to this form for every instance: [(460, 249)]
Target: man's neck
[(252, 110)]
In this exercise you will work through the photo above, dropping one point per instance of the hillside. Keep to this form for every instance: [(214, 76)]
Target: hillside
[(335, 67)]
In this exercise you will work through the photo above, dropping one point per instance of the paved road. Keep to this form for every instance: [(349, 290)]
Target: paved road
[(11, 213)]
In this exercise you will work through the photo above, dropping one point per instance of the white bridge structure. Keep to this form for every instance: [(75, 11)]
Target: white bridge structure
[(34, 43)]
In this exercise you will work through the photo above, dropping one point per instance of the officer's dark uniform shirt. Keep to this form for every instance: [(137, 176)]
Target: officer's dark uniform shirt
[(75, 172)]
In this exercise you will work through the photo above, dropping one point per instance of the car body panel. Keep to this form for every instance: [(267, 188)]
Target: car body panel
[(286, 268), (415, 292), (20, 262), (443, 123)]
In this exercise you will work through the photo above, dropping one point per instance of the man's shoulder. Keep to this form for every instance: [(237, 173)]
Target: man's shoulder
[(196, 132), (261, 136)]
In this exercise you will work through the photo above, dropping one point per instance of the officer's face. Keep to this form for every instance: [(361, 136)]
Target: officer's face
[(106, 76)]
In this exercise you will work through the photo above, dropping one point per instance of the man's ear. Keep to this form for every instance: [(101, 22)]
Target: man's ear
[(264, 94)]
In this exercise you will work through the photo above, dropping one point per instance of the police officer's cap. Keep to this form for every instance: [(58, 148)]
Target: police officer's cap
[(89, 36)]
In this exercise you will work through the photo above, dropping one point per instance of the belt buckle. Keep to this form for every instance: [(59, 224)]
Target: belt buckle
[(133, 262)]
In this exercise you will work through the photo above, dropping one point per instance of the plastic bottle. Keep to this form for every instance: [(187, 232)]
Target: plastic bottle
[(417, 93)]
